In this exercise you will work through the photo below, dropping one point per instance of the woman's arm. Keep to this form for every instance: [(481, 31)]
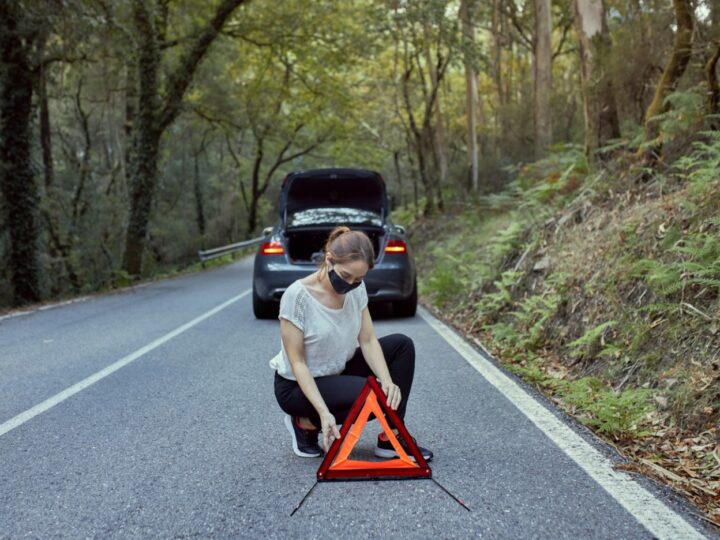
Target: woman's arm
[(294, 343), (372, 352)]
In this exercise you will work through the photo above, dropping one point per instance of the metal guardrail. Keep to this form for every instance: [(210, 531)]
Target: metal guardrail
[(224, 250)]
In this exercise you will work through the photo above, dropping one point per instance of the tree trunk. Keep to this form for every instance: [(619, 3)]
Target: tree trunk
[(713, 100), (651, 148), (255, 186), (713, 103), (512, 62), (16, 178), (145, 141), (131, 87), (45, 137), (482, 134), (416, 196), (466, 7), (398, 175), (543, 77), (508, 87), (419, 146), (599, 108), (436, 135), (153, 117), (199, 201), (501, 119), (60, 250), (78, 206)]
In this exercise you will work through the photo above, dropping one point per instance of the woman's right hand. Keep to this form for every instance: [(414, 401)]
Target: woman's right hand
[(329, 429)]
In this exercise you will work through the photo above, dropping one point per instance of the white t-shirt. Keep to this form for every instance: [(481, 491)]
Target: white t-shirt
[(331, 335)]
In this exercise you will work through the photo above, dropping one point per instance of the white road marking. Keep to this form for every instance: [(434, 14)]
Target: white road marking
[(656, 517), (49, 403)]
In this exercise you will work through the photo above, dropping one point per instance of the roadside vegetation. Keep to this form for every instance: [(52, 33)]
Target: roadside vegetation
[(600, 286)]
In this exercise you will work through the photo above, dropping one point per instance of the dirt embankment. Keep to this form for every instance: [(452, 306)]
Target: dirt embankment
[(610, 306)]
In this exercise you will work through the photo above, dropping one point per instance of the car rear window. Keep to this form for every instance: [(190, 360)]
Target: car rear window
[(333, 216)]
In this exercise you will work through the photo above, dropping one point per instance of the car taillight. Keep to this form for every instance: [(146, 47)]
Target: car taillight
[(272, 248), (396, 246)]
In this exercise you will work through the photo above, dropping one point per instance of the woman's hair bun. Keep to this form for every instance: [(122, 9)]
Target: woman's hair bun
[(337, 231), (345, 245)]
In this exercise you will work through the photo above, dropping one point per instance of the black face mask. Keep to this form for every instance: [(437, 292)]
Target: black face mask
[(339, 284)]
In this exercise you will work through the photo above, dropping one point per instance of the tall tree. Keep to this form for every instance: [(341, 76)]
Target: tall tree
[(599, 108), (471, 93), (157, 109), (18, 37), (437, 132), (200, 218), (674, 69), (711, 76), (423, 33), (542, 69), (45, 138)]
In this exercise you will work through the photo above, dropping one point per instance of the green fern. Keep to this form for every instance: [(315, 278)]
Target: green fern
[(506, 240), (684, 110), (619, 414), (504, 334), (581, 346), (531, 372), (662, 278), (703, 266), (698, 263), (701, 165), (534, 312), (443, 283), (492, 302)]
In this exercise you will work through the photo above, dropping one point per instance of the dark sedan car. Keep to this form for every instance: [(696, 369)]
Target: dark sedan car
[(312, 203)]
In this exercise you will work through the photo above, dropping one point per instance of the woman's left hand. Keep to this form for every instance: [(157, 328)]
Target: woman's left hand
[(392, 392)]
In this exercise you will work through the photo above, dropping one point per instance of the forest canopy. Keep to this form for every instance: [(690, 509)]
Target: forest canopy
[(135, 132)]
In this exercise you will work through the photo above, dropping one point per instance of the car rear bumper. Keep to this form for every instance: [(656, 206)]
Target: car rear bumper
[(388, 281)]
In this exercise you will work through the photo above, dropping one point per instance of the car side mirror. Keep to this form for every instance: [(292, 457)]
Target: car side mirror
[(267, 231), (400, 229)]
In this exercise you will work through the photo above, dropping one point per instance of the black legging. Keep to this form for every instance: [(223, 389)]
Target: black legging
[(340, 391)]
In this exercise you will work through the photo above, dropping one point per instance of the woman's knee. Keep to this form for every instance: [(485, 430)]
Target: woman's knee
[(399, 347), (398, 340), (408, 344)]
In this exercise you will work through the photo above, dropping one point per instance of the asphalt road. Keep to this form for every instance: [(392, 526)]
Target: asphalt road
[(181, 436)]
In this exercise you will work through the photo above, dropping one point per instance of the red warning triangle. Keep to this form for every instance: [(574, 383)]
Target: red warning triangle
[(337, 466)]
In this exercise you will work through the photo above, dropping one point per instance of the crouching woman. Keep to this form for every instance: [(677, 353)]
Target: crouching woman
[(329, 348)]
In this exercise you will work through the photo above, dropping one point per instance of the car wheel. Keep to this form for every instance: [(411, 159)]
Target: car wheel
[(407, 307), (264, 309)]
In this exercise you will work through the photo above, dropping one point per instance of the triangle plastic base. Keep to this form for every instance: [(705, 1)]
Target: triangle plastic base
[(337, 466)]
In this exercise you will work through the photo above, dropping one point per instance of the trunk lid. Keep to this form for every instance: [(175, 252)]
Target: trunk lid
[(333, 188)]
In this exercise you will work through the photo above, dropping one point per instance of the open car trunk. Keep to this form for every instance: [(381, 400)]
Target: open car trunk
[(306, 245), (333, 188), (313, 202)]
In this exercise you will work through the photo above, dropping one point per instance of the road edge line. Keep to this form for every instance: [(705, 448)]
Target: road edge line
[(650, 512), (49, 403)]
